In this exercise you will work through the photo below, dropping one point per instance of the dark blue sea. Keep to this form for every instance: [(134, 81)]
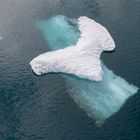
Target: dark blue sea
[(40, 107)]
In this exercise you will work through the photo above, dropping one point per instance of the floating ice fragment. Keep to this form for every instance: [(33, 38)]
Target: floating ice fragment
[(101, 99)]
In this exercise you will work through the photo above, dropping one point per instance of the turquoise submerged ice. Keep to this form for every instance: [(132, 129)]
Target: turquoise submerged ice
[(100, 99)]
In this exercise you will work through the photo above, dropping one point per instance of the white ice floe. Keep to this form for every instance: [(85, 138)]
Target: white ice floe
[(99, 100), (82, 59)]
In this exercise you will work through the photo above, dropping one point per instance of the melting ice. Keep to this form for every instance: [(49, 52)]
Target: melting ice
[(80, 43), (82, 59)]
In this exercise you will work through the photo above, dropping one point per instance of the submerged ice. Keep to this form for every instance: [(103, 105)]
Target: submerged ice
[(83, 40)]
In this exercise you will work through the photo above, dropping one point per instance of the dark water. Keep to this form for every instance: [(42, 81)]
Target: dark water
[(39, 108)]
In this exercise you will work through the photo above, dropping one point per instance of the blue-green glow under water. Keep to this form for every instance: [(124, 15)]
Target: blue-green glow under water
[(100, 100)]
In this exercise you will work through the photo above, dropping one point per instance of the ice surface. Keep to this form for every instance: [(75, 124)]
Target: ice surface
[(101, 99), (82, 59)]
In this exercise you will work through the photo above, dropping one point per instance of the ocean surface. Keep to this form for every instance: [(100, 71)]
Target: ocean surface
[(40, 108)]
